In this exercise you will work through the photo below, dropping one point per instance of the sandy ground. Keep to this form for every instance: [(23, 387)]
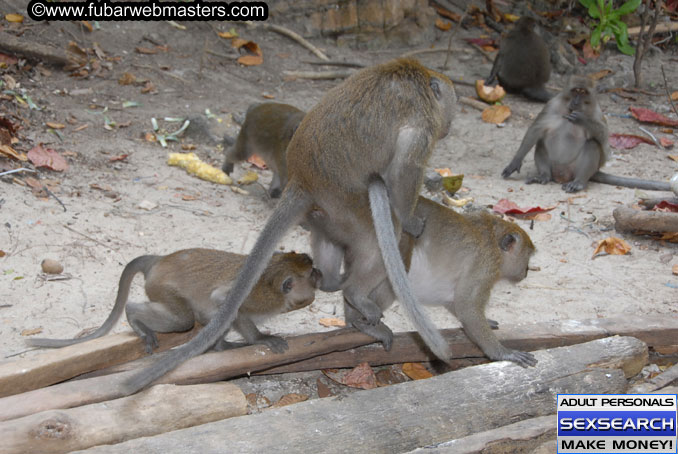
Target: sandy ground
[(102, 230)]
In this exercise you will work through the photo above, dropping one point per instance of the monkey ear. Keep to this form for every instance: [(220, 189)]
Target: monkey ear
[(287, 285), (507, 242), (435, 86)]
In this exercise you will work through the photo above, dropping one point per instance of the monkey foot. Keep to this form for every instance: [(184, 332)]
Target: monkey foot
[(275, 343), (523, 359), (573, 186), (541, 179), (380, 332), (275, 193), (509, 169), (150, 341), (493, 324)]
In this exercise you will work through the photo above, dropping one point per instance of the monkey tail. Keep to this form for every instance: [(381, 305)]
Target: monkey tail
[(395, 269), (628, 182), (292, 206), (138, 265)]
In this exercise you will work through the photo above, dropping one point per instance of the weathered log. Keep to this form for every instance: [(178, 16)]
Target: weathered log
[(160, 409), (32, 50), (629, 220), (420, 413), (523, 436), (205, 368), (650, 203), (660, 381), (56, 365)]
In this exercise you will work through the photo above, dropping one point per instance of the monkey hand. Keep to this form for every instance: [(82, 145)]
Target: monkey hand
[(523, 359), (275, 343), (511, 168), (380, 332), (573, 186), (414, 226), (574, 117)]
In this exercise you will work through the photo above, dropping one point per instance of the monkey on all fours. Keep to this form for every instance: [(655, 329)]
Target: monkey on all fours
[(523, 64), (185, 287), (357, 158), (266, 131), (455, 263)]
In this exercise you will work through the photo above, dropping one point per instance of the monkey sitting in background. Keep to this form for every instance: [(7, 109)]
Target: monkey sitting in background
[(571, 138), (267, 130), (523, 64), (455, 263), (186, 286)]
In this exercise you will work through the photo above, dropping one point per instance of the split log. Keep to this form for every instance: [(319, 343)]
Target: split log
[(32, 50), (414, 414), (160, 409), (204, 368), (57, 365), (523, 436), (629, 220)]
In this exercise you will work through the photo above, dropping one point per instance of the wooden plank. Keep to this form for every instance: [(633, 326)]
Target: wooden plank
[(420, 413), (523, 436), (57, 365), (660, 381), (159, 409), (205, 368)]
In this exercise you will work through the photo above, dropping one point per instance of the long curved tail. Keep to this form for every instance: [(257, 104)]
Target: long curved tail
[(139, 265), (292, 206), (628, 182), (395, 269)]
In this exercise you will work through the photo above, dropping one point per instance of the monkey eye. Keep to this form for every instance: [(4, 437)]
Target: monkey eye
[(287, 285)]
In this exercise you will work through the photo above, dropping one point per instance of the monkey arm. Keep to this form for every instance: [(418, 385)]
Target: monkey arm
[(533, 135), (495, 69)]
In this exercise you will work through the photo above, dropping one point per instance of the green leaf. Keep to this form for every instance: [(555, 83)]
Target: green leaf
[(586, 3), (595, 37), (594, 12), (628, 7)]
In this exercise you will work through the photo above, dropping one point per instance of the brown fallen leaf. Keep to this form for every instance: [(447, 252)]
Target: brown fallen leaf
[(332, 321), (362, 376), (666, 143), (268, 96), (443, 25), (289, 399), (496, 114), (673, 156), (127, 79), (2, 253), (16, 18), (54, 125), (627, 141), (600, 74), (323, 389), (81, 127), (392, 375), (47, 157), (148, 87), (674, 96), (250, 60), (226, 35), (612, 246), (674, 270), (30, 332), (120, 157), (416, 371), (257, 162), (87, 25), (12, 153), (649, 116)]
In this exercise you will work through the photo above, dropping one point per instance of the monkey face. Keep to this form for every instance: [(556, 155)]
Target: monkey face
[(299, 290), (517, 248)]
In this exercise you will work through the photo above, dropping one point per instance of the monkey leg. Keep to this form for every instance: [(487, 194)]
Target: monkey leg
[(249, 331), (327, 257), (587, 163), (365, 271), (275, 189), (476, 326), (380, 331), (543, 163), (149, 318)]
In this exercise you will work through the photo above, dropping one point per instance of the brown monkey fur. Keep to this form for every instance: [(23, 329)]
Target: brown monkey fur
[(267, 130), (186, 286), (357, 158), (455, 263), (523, 64), (571, 138)]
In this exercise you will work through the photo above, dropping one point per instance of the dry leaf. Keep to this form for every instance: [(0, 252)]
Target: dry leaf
[(120, 157), (257, 162), (87, 25), (442, 25), (674, 96), (80, 128), (53, 125), (238, 42), (416, 371), (127, 79), (446, 172), (496, 114), (46, 157), (600, 74), (268, 96), (391, 376), (666, 143), (249, 178), (648, 116), (16, 18), (542, 217), (673, 156), (188, 146), (674, 270), (362, 376), (30, 332), (148, 87), (2, 253), (323, 389), (627, 141), (505, 206), (447, 13), (12, 153), (332, 321), (226, 35), (612, 246), (289, 399), (250, 60)]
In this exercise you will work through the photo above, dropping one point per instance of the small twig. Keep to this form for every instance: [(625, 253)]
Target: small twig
[(482, 51), (20, 169), (473, 103), (320, 75), (90, 238), (645, 39), (661, 28), (652, 137), (50, 193), (348, 64), (668, 94), (136, 65), (290, 34), (412, 53), (219, 54)]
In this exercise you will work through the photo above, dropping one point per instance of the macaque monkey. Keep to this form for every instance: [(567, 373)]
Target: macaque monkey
[(186, 286), (523, 64), (571, 138), (455, 263), (267, 130), (358, 159)]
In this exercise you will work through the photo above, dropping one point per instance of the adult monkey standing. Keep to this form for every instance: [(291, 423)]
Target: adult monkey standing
[(372, 134)]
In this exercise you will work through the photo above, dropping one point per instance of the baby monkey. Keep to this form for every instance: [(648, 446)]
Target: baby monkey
[(183, 287), (455, 263), (266, 131)]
